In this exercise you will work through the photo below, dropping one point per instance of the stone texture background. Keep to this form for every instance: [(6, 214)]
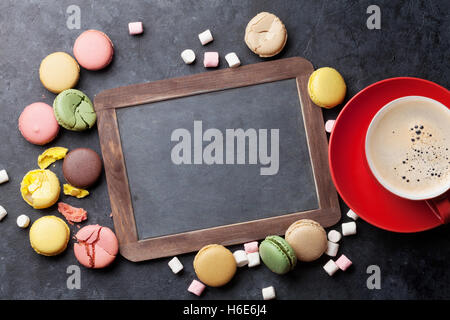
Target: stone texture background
[(413, 41)]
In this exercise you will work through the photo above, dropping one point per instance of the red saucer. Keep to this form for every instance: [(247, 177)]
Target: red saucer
[(349, 169)]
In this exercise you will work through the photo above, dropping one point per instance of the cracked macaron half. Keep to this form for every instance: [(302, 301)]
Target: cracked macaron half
[(96, 247), (40, 188), (277, 254), (74, 110)]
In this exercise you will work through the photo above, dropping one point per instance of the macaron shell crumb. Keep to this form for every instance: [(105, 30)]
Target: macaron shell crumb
[(51, 155), (72, 214), (75, 192)]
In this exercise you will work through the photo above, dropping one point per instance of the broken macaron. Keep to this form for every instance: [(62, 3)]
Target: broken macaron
[(74, 110), (96, 246)]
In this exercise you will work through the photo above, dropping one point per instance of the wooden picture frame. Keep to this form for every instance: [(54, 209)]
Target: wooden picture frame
[(106, 103)]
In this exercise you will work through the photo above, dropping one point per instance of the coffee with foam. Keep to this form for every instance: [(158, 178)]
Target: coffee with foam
[(407, 147)]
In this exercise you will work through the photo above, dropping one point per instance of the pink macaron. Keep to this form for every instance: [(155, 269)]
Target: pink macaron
[(93, 50), (38, 124), (96, 246)]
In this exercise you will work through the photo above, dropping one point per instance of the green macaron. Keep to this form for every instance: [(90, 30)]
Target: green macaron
[(277, 254), (74, 110)]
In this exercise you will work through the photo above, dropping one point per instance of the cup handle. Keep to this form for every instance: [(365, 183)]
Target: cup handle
[(441, 207)]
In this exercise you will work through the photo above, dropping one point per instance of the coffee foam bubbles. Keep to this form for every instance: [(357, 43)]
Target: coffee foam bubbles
[(409, 147)]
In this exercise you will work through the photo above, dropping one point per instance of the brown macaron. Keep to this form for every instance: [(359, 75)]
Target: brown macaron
[(82, 167), (308, 239)]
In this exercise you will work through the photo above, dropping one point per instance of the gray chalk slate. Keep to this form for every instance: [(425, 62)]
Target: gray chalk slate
[(169, 198)]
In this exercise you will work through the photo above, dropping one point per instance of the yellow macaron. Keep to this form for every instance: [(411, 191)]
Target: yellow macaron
[(59, 71), (40, 188), (49, 235), (214, 265), (326, 87)]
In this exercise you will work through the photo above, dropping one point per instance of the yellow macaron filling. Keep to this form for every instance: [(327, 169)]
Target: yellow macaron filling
[(326, 87), (49, 235), (40, 188)]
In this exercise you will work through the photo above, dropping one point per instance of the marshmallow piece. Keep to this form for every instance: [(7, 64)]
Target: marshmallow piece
[(23, 221), (233, 60), (205, 37), (250, 247), (331, 267), (211, 59), (343, 262), (348, 228), (332, 249), (352, 215), (3, 213), (268, 293), (329, 125), (3, 176), (253, 259), (241, 258), (334, 236), (135, 28), (188, 56), (196, 287), (175, 265)]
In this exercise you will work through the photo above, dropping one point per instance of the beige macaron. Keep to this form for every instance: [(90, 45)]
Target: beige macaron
[(265, 35), (308, 239)]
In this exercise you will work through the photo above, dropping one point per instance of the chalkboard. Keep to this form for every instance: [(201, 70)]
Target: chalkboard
[(222, 157)]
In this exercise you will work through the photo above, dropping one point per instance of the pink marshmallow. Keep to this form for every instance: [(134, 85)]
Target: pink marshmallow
[(211, 59), (196, 287), (329, 125), (343, 262), (135, 28), (251, 247)]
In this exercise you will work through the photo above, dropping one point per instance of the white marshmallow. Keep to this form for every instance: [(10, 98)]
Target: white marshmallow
[(332, 249), (23, 221), (331, 267), (352, 215), (3, 213), (241, 258), (233, 60), (349, 228), (334, 236), (205, 37), (253, 259), (329, 125), (268, 293), (3, 176), (175, 265), (188, 56)]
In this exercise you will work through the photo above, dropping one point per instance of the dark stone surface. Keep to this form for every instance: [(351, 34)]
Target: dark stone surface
[(413, 41)]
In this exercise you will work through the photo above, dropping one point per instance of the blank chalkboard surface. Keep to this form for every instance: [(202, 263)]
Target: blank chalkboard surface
[(170, 198), (162, 207)]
